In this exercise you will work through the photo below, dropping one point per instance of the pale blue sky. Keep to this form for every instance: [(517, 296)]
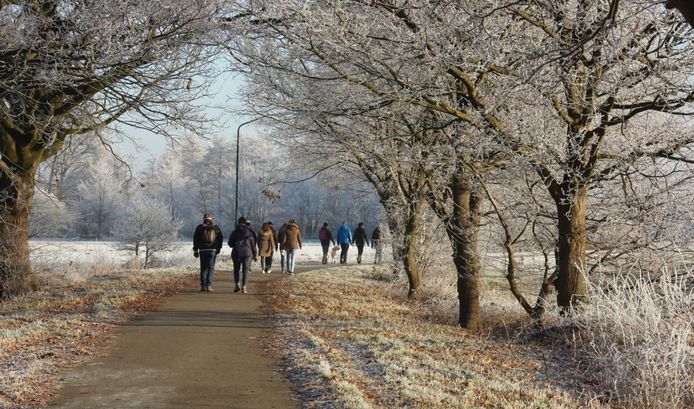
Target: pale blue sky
[(148, 145)]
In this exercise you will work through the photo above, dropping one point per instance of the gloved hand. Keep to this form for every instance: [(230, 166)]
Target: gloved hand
[(216, 252), (196, 254)]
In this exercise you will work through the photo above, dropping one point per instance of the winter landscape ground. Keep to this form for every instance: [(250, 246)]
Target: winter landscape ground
[(345, 336)]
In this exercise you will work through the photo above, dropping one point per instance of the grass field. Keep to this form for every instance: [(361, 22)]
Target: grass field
[(349, 341)]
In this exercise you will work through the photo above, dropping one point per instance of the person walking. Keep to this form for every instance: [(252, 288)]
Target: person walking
[(377, 238), (243, 244), (280, 246), (268, 261), (344, 239), (360, 238), (207, 243), (325, 237), (266, 245), (291, 243)]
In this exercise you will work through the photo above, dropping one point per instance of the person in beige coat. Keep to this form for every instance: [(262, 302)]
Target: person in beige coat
[(266, 246), (291, 241)]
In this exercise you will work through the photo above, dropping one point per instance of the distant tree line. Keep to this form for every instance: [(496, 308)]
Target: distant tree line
[(86, 192)]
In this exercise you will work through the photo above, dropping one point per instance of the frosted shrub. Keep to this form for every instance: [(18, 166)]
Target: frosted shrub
[(640, 335)]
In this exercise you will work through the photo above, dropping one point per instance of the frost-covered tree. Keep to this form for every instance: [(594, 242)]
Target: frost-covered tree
[(72, 67), (50, 217), (100, 195), (595, 78), (146, 228)]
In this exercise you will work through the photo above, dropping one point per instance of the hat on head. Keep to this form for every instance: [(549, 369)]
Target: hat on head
[(207, 216), (361, 224), (242, 220), (325, 224), (270, 223)]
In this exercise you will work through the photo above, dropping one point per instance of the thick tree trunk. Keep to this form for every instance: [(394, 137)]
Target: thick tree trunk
[(571, 249), (464, 232), (16, 275)]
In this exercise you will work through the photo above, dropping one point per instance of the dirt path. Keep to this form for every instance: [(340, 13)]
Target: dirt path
[(201, 350)]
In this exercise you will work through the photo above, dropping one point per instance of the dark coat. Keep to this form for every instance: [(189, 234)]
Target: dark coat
[(198, 241), (242, 241), (327, 236), (377, 235), (360, 236), (281, 236)]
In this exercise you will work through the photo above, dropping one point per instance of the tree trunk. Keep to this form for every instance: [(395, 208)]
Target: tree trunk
[(414, 274), (17, 191), (571, 249), (405, 231), (463, 230)]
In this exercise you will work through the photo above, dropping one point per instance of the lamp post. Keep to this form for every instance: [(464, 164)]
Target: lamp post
[(236, 195)]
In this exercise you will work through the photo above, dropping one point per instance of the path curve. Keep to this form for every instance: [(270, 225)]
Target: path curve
[(200, 350)]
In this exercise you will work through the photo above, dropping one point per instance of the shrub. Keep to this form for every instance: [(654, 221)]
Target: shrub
[(640, 338)]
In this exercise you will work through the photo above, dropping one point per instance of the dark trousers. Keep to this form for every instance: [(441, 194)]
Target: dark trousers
[(326, 246), (343, 253), (360, 249), (245, 264), (266, 263), (207, 259)]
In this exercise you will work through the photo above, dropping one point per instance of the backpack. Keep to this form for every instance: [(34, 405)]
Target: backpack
[(208, 235), (323, 234)]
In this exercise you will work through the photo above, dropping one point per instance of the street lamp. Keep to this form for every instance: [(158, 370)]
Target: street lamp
[(236, 195)]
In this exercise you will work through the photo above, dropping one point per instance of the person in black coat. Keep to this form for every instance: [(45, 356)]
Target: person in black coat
[(244, 248), (360, 238), (325, 237), (207, 243)]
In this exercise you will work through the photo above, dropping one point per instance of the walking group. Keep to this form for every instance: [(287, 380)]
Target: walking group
[(246, 246), (345, 238)]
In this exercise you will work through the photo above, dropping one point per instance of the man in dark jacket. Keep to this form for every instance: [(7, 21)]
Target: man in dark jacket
[(360, 238), (207, 242), (280, 239), (325, 237), (244, 248)]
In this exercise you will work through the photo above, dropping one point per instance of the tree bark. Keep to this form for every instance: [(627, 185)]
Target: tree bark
[(404, 247), (414, 274), (571, 249), (16, 192), (464, 233)]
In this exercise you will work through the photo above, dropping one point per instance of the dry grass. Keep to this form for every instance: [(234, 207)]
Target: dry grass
[(639, 336), (349, 343), (47, 331)]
